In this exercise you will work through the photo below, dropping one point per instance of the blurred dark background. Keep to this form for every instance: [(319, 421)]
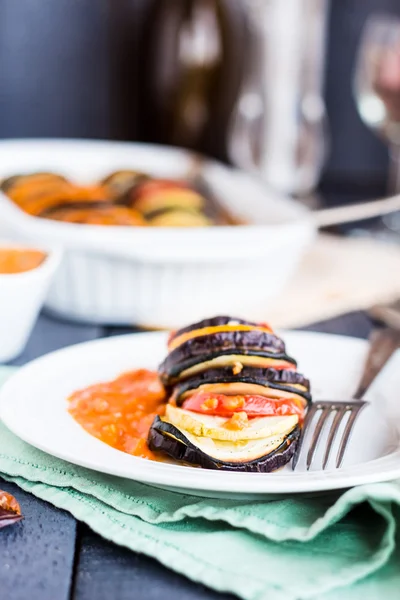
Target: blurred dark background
[(76, 68)]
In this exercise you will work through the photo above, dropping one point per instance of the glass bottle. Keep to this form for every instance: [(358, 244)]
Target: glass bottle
[(278, 127), (191, 71)]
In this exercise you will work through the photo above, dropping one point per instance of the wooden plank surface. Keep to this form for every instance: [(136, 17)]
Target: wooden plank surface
[(37, 555), (106, 571), (50, 334)]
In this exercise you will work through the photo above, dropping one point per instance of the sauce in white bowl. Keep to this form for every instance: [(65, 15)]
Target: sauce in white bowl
[(25, 276)]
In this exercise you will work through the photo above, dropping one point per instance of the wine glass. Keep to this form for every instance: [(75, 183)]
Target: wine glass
[(377, 87)]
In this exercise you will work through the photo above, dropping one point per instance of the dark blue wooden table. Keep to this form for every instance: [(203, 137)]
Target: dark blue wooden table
[(50, 556)]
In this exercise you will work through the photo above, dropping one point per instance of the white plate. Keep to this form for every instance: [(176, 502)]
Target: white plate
[(33, 405)]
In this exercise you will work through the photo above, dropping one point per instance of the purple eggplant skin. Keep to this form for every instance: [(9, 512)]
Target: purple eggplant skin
[(268, 374), (66, 205), (238, 342), (7, 519), (125, 187), (255, 339), (258, 374), (271, 378), (8, 183), (179, 448), (213, 322), (170, 371)]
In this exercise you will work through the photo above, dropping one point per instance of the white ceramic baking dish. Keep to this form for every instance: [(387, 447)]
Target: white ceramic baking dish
[(159, 277)]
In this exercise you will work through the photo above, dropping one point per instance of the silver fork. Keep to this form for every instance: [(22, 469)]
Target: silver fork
[(383, 343)]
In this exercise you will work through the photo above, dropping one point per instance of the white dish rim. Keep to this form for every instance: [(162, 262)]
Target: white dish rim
[(216, 244)]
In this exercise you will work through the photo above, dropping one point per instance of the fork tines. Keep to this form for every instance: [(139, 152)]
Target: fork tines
[(325, 408)]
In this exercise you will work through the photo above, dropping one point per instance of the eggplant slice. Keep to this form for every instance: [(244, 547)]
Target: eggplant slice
[(122, 183), (10, 182), (268, 378), (214, 322), (66, 205), (171, 373), (232, 342), (166, 438)]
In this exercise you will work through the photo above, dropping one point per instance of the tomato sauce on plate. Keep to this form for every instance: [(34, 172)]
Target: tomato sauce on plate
[(120, 412), (19, 260)]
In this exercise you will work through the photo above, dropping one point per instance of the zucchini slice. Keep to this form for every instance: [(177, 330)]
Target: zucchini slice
[(261, 456), (215, 427)]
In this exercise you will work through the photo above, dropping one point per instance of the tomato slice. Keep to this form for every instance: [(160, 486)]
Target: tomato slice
[(253, 405), (160, 185)]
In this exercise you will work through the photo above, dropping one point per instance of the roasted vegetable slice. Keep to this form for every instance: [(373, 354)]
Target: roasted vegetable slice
[(159, 194), (213, 322), (220, 428), (255, 374), (121, 182), (261, 456), (235, 361), (67, 205), (195, 333), (250, 380), (251, 343), (35, 196), (103, 215), (10, 511), (177, 217), (252, 405), (42, 178)]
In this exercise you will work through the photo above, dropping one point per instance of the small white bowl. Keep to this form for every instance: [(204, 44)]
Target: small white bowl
[(21, 298)]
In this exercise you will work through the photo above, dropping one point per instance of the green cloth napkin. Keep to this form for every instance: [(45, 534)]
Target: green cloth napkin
[(298, 547)]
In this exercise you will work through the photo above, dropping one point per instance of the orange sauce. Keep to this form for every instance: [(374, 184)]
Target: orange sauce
[(120, 412), (19, 260)]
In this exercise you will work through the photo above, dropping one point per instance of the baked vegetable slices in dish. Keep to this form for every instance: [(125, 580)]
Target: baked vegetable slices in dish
[(125, 197), (236, 400)]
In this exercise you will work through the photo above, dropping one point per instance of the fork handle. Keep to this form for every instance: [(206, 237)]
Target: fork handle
[(339, 215), (383, 343)]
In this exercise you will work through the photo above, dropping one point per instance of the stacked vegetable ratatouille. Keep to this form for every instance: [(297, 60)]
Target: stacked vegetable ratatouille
[(236, 400)]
